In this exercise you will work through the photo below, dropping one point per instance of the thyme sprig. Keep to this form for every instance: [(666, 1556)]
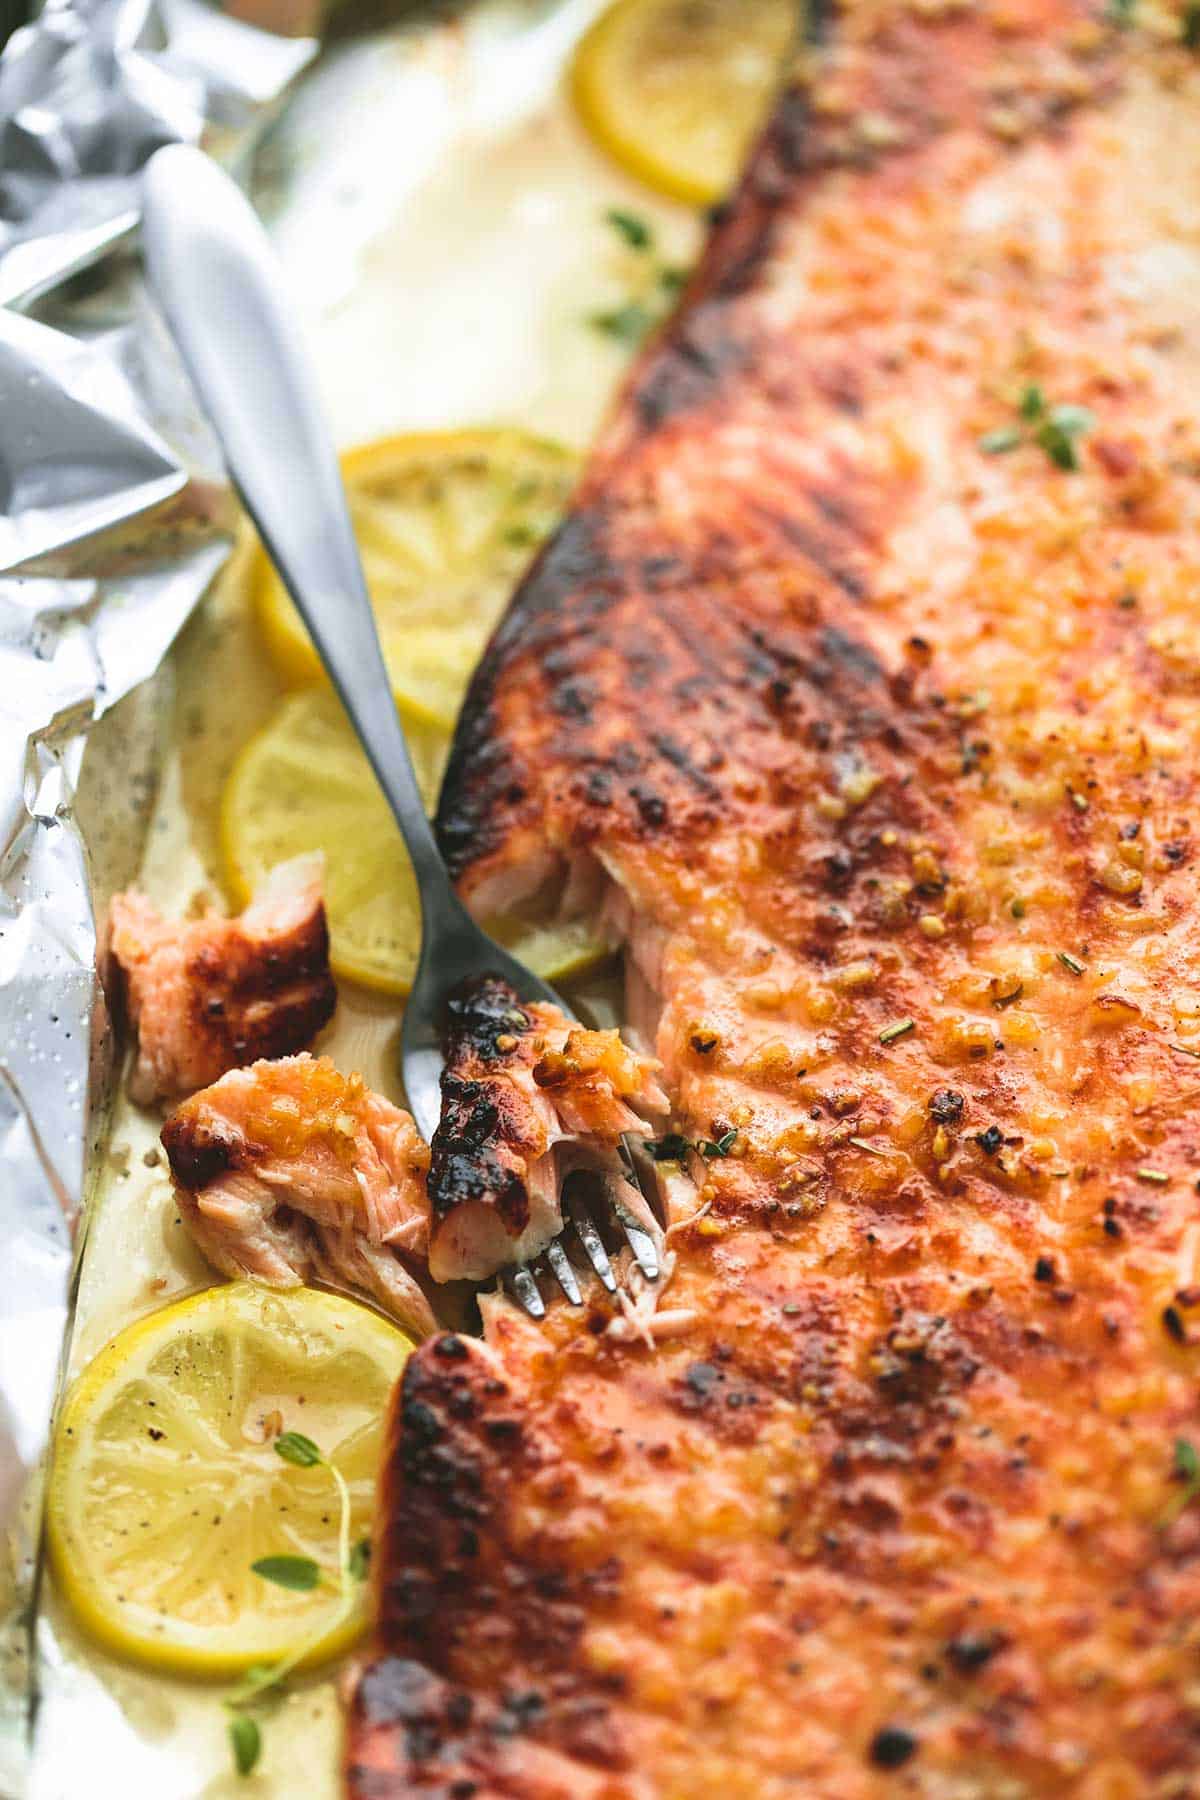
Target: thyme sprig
[(674, 1147), (1054, 429), (263, 1682), (654, 284)]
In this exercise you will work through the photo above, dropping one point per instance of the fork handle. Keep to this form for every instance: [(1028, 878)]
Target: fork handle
[(212, 269)]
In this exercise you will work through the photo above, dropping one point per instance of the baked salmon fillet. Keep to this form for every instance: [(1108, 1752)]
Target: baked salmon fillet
[(866, 670)]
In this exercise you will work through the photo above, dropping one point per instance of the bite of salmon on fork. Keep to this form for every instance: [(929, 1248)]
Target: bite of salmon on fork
[(865, 670), (210, 994), (288, 1171), (530, 1098)]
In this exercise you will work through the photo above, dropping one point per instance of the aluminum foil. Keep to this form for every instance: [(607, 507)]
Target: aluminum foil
[(115, 518), (89, 92)]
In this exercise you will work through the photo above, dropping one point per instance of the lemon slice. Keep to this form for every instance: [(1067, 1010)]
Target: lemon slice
[(304, 784), (675, 90), (446, 523), (165, 1485)]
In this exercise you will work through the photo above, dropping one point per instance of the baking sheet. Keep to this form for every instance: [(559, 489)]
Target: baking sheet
[(440, 216)]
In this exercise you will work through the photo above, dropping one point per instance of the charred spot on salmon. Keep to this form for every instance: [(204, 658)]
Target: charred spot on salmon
[(892, 1747), (482, 1018), (974, 1651), (466, 1162), (946, 1106)]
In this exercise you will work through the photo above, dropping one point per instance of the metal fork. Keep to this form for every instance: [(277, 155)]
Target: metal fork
[(213, 272)]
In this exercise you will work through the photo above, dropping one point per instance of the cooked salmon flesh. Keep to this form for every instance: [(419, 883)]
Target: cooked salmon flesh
[(289, 1170), (210, 994), (864, 675)]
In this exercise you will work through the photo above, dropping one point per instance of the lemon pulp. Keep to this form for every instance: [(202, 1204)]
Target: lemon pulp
[(165, 1486), (446, 523), (675, 90)]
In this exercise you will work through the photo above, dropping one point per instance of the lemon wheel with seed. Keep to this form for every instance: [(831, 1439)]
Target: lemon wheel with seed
[(446, 524), (675, 90), (165, 1486), (303, 784)]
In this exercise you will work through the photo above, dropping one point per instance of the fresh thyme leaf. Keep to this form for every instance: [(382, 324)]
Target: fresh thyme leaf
[(996, 443), (1191, 28), (520, 536), (671, 1148), (900, 1029), (246, 1742), (634, 230), (359, 1560), (628, 324), (674, 280), (1033, 402), (294, 1447), (1185, 1467), (721, 1147), (1074, 419), (1156, 1176), (300, 1573), (1057, 434), (1071, 962)]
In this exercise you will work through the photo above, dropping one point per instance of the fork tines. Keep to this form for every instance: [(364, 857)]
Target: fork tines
[(558, 1264)]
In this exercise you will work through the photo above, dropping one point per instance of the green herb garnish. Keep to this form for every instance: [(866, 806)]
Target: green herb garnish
[(1154, 1175), (1055, 429), (1057, 434), (629, 324), (721, 1147), (996, 443), (635, 231), (1071, 962), (900, 1029), (263, 1682), (1191, 28), (300, 1573), (294, 1447), (1185, 1468), (246, 1741), (673, 1147)]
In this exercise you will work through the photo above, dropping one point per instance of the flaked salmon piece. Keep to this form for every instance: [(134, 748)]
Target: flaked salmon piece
[(866, 665), (528, 1098), (288, 1170), (207, 995)]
